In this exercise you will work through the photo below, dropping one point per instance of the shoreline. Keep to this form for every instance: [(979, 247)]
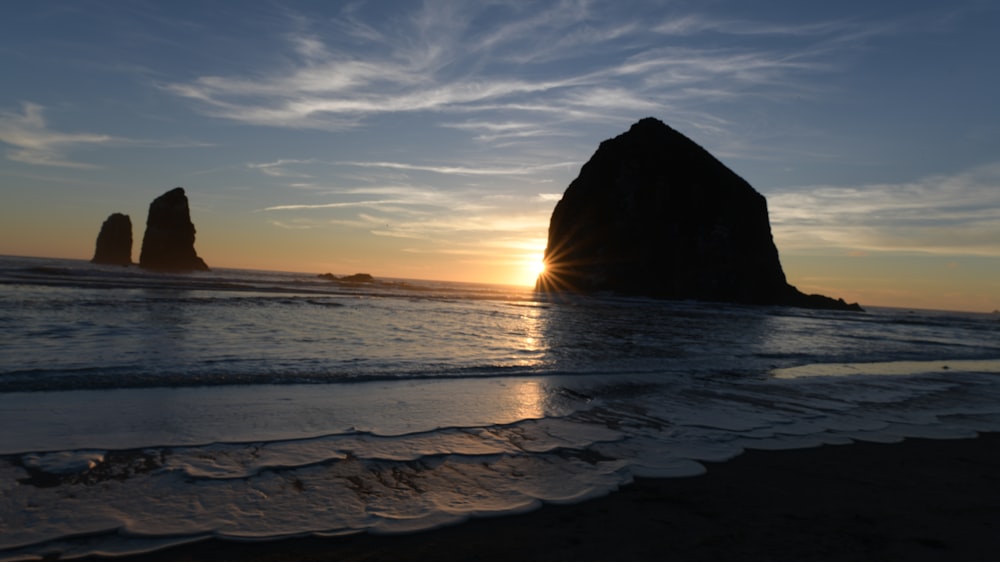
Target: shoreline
[(920, 499)]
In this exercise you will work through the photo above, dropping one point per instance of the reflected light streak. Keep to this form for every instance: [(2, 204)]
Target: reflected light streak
[(531, 340), (529, 400)]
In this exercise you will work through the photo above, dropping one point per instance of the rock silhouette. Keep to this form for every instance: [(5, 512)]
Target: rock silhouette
[(168, 244), (356, 278), (654, 214), (114, 241)]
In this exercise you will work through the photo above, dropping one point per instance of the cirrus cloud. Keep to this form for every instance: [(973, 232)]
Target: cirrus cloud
[(35, 143), (957, 214), (572, 59)]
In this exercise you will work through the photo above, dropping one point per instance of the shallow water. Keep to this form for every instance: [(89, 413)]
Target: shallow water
[(141, 410)]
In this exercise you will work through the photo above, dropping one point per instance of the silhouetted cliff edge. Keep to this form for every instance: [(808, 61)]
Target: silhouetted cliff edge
[(114, 241), (654, 214), (168, 244)]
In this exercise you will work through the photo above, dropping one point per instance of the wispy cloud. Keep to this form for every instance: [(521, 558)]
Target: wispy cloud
[(576, 59), (462, 170), (340, 205), (35, 143), (489, 131), (437, 221), (693, 24), (296, 224), (279, 168), (957, 214)]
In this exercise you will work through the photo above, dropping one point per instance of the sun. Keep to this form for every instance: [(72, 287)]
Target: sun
[(533, 267), (537, 268)]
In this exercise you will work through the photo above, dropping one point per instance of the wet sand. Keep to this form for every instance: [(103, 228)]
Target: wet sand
[(916, 500)]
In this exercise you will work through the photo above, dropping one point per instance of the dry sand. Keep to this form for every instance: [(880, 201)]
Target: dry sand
[(917, 500)]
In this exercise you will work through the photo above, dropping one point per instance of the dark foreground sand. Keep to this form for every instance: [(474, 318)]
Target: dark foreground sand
[(918, 500)]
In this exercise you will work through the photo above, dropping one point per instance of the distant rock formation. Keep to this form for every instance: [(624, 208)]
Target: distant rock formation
[(654, 214), (114, 242), (356, 278), (168, 244)]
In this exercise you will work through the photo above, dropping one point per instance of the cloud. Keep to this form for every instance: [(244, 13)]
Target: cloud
[(279, 168), (461, 170), (34, 143), (693, 24), (490, 224), (585, 61), (955, 214), (298, 224), (340, 205), (489, 131), (438, 219)]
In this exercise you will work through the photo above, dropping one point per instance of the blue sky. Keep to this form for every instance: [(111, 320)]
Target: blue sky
[(432, 139)]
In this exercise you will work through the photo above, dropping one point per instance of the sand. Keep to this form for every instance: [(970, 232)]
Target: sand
[(916, 500)]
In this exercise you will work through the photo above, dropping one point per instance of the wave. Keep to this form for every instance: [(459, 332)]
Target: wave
[(262, 463)]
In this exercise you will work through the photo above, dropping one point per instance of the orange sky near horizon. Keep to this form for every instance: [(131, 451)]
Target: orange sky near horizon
[(919, 282), (59, 228)]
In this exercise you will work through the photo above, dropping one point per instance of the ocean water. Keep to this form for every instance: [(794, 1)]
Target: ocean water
[(141, 410)]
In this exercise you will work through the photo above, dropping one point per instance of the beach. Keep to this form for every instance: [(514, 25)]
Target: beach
[(920, 499)]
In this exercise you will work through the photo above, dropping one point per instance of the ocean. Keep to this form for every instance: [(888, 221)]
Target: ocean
[(142, 410)]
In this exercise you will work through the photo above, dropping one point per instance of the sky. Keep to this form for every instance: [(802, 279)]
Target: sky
[(431, 140)]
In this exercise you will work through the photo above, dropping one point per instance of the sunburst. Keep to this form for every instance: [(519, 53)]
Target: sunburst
[(536, 267)]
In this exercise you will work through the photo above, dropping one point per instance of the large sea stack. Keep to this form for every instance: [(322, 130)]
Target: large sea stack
[(114, 241), (654, 214), (168, 244)]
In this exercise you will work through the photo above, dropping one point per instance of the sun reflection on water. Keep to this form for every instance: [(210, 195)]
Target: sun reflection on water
[(528, 400), (531, 342)]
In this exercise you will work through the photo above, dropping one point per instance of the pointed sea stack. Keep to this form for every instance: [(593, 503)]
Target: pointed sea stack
[(114, 241), (654, 214), (168, 244)]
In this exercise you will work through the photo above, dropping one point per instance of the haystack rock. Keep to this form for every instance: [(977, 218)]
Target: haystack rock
[(168, 244), (654, 214), (114, 241)]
